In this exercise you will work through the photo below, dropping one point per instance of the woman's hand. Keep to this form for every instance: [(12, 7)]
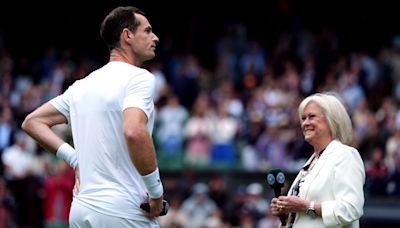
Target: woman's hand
[(287, 204), (276, 207)]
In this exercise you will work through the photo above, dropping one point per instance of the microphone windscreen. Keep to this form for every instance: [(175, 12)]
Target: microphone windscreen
[(275, 178)]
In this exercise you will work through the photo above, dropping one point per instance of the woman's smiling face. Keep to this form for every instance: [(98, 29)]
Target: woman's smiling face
[(314, 124)]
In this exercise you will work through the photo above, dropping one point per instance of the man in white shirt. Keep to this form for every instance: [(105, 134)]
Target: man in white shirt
[(111, 113)]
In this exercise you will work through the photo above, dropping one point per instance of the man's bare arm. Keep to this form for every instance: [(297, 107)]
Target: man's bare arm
[(139, 141), (38, 125), (143, 156)]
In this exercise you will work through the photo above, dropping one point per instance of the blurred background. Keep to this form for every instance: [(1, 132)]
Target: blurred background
[(229, 79)]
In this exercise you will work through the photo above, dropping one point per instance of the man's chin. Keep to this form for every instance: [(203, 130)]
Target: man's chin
[(150, 56)]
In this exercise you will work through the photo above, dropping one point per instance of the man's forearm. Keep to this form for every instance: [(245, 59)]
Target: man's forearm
[(142, 151), (143, 156), (38, 125), (43, 134)]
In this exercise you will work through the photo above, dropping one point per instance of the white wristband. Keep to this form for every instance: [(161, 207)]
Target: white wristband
[(153, 184), (68, 154)]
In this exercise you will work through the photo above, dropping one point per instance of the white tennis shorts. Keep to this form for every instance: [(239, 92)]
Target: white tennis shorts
[(83, 217)]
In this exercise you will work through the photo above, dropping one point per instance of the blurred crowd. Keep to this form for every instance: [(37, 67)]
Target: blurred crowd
[(238, 114)]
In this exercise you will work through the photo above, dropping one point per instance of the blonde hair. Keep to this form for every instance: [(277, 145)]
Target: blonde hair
[(335, 112)]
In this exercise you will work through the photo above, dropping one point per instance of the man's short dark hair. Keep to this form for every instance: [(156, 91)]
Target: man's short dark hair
[(118, 19)]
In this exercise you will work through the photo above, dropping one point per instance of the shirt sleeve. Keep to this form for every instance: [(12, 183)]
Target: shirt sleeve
[(140, 93), (349, 179), (62, 104)]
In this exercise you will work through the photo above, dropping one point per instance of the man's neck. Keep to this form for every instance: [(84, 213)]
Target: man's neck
[(119, 54)]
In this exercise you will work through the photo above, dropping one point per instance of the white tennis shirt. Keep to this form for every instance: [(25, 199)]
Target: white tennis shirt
[(109, 183)]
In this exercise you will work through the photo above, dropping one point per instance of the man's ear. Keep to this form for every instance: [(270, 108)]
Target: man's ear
[(126, 34)]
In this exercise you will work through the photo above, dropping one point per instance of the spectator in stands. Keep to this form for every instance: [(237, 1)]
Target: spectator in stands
[(394, 176), (199, 206), (170, 124), (7, 130), (19, 174), (328, 191), (377, 173), (198, 130), (393, 149), (57, 195), (7, 206), (223, 151), (268, 220), (255, 203), (219, 192)]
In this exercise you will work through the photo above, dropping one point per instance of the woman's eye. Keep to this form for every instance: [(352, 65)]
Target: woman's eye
[(310, 117)]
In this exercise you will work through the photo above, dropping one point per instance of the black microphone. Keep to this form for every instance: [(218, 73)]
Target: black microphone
[(276, 180), (146, 207)]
